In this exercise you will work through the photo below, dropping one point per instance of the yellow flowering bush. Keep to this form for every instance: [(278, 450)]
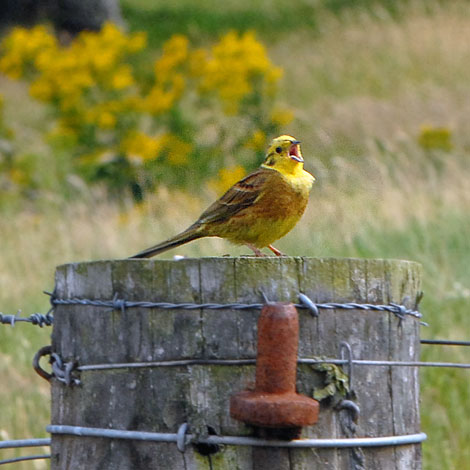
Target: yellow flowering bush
[(180, 122), (435, 138), (237, 68)]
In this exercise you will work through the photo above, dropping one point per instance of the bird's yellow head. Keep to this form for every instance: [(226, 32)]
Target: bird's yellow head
[(284, 155)]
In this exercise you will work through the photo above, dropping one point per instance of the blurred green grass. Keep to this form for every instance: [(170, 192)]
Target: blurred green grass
[(363, 78), (272, 20), (209, 18)]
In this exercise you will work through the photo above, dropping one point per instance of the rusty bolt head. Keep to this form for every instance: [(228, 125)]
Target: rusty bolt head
[(275, 410), (274, 402)]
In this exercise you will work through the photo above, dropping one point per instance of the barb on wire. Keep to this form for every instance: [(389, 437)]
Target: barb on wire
[(38, 319)]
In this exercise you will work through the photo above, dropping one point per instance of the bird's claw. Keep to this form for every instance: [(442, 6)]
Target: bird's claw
[(276, 251)]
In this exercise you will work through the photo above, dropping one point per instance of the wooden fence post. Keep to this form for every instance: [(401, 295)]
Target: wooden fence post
[(159, 399)]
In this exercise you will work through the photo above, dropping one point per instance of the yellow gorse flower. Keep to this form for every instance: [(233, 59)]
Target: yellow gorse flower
[(140, 147), (169, 76), (435, 138), (122, 78), (177, 150), (257, 141), (22, 47), (236, 61), (105, 115), (175, 53), (162, 97)]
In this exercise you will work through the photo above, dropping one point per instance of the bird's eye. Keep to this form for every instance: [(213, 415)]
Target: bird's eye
[(278, 149)]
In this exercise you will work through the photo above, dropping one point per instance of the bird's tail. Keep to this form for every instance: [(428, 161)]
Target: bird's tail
[(192, 233)]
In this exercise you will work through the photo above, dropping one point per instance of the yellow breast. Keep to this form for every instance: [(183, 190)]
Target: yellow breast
[(275, 212)]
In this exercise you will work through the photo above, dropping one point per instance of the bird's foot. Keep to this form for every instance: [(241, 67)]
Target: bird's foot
[(276, 251), (256, 251)]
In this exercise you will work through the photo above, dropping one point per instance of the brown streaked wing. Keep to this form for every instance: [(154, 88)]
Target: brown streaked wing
[(239, 196)]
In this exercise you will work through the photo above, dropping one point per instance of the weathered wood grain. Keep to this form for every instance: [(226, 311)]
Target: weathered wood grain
[(160, 399)]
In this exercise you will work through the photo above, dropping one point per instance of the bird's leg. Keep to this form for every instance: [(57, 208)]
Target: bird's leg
[(276, 251), (256, 251)]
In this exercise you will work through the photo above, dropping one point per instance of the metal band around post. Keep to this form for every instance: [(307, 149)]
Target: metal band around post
[(404, 439)]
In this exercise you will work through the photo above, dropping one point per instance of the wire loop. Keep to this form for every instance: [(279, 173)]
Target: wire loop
[(181, 437), (44, 351), (353, 409), (60, 370)]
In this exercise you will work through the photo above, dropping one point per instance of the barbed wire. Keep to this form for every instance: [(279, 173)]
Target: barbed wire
[(41, 319), (38, 319), (116, 303)]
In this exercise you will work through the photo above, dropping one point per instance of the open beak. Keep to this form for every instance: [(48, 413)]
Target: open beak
[(294, 152)]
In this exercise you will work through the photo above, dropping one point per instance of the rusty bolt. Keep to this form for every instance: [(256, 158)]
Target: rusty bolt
[(274, 403)]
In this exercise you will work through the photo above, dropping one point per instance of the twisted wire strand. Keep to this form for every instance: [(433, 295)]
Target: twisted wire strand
[(38, 319), (305, 303), (116, 303)]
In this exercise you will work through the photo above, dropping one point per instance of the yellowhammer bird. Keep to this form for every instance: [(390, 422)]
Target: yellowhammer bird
[(259, 209)]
